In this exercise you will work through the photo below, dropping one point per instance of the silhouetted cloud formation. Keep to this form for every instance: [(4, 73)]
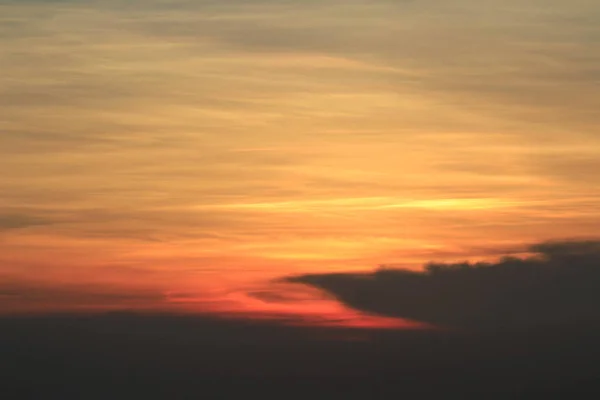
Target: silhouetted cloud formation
[(559, 284)]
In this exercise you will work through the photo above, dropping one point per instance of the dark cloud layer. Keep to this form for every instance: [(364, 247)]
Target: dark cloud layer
[(166, 356), (560, 284)]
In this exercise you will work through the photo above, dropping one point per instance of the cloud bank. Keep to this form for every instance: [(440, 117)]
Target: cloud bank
[(559, 284)]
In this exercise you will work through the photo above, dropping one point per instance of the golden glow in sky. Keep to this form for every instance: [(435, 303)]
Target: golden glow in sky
[(202, 147)]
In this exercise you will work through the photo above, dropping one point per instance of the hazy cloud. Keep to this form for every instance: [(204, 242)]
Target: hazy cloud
[(18, 295), (17, 221)]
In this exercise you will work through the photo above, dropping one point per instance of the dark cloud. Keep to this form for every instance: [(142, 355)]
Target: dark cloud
[(559, 284)]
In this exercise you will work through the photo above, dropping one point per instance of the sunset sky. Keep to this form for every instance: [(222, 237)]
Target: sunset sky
[(160, 153)]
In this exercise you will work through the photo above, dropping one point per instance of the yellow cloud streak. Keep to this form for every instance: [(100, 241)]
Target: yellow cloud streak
[(370, 203)]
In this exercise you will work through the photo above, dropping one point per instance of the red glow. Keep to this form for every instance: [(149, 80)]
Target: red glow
[(294, 305)]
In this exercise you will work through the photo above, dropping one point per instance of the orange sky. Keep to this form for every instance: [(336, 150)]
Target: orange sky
[(152, 148)]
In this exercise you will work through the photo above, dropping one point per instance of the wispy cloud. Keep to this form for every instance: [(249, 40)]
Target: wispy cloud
[(260, 129)]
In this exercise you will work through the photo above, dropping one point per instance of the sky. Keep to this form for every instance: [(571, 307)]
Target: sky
[(185, 153)]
